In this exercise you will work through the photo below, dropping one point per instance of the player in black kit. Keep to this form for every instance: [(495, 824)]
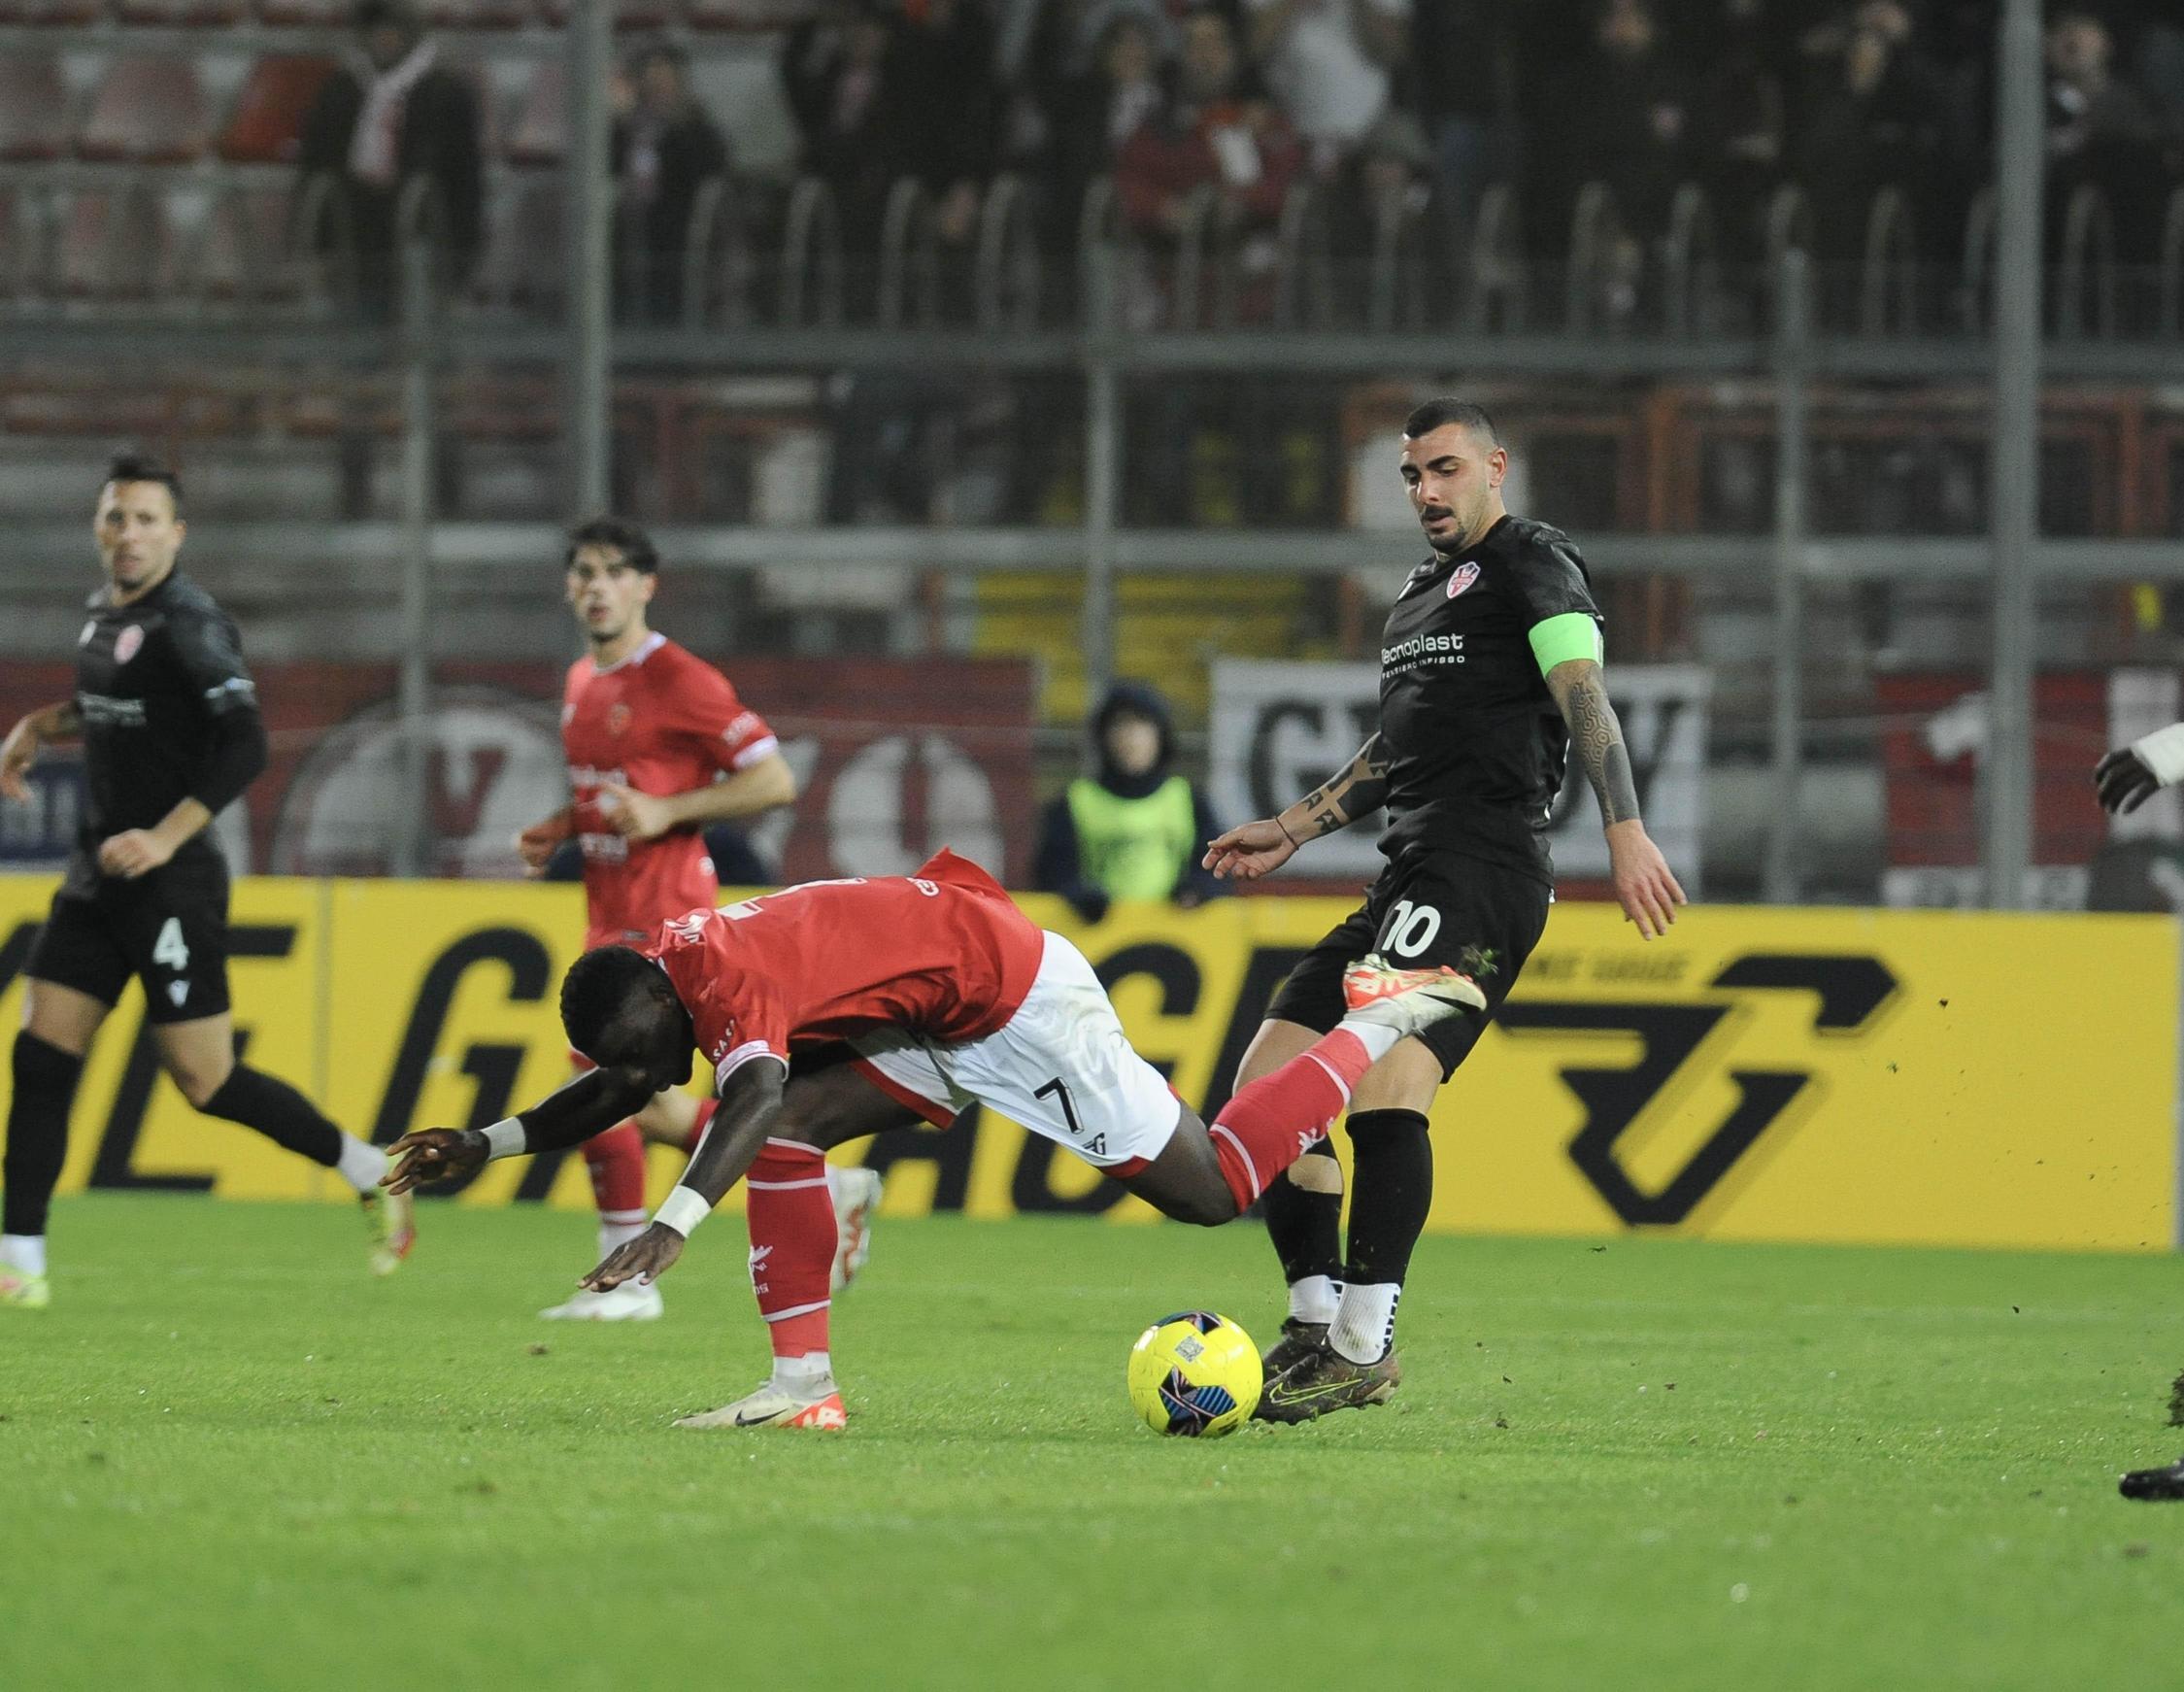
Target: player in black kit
[(169, 721), (1489, 673)]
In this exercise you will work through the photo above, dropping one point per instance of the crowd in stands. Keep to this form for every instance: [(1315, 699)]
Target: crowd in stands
[(1183, 102)]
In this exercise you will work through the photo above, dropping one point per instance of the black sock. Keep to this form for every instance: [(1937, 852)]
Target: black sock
[(1392, 1188), (44, 1082), (1306, 1226), (277, 1110)]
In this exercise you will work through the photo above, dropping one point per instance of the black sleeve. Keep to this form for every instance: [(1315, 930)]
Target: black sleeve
[(211, 658), (1552, 579), (1058, 866)]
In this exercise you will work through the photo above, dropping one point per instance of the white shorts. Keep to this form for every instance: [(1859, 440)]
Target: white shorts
[(1062, 1065)]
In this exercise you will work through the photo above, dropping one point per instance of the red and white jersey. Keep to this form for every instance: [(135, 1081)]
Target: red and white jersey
[(942, 955), (662, 721)]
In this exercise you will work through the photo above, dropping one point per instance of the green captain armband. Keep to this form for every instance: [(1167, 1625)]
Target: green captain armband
[(1558, 639)]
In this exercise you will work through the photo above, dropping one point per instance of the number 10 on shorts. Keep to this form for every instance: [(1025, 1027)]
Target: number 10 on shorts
[(1411, 929)]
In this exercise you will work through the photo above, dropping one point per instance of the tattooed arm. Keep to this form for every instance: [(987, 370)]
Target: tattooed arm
[(1256, 849), (1644, 887)]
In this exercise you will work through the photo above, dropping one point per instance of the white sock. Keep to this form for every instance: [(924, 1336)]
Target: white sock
[(1377, 1039), (362, 1166), (802, 1373), (1364, 1326), (24, 1251), (1313, 1299), (613, 1235)]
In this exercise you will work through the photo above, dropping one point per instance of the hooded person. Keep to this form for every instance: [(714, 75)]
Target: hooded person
[(1134, 830)]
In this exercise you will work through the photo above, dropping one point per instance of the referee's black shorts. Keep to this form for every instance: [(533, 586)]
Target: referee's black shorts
[(168, 927), (1428, 908)]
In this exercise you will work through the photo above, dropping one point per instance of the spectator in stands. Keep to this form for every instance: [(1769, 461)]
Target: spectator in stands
[(665, 147), (1463, 71), (1628, 109), (392, 118), (1874, 115), (1741, 123), (833, 68), (1094, 114), (1134, 830), (1331, 62), (1213, 133), (2100, 128), (1389, 175)]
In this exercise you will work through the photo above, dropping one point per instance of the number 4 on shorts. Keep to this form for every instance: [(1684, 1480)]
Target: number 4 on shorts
[(170, 949)]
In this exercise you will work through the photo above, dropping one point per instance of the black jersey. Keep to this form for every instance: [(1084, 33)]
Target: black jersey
[(1476, 746), (160, 685)]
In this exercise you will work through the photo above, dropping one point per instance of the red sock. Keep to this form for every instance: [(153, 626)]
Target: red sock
[(1266, 1126), (791, 1245), (616, 1161), (703, 1121)]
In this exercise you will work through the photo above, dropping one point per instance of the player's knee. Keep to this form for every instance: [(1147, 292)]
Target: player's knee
[(198, 1078), (1206, 1207)]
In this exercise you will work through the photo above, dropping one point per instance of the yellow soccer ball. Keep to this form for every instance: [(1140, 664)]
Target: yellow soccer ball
[(1194, 1374)]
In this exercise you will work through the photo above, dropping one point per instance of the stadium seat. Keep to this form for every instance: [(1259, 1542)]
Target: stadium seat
[(266, 121), (242, 248), (522, 225), (33, 108), (539, 131), (147, 110), (117, 245)]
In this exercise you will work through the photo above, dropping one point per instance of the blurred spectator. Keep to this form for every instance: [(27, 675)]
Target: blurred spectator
[(1389, 175), (1329, 61), (665, 145), (1874, 116), (834, 70), (1635, 132), (1210, 134), (1464, 77), (1740, 122), (1134, 830), (1096, 113), (948, 106), (390, 117), (2100, 130)]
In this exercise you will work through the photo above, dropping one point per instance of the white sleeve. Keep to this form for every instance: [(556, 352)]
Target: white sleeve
[(2163, 753)]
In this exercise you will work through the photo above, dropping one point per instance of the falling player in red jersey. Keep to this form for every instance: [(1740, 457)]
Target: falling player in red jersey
[(657, 746), (937, 992)]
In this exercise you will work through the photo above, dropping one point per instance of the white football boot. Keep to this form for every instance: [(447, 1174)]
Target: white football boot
[(628, 1303), (810, 1406), (1407, 1000), (855, 1193)]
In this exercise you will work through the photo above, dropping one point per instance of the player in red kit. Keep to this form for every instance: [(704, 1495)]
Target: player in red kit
[(657, 746), (937, 992)]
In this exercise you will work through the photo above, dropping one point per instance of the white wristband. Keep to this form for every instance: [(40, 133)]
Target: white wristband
[(506, 1138), (683, 1210), (2163, 753)]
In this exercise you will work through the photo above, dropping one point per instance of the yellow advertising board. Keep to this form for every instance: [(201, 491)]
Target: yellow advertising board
[(1945, 1077)]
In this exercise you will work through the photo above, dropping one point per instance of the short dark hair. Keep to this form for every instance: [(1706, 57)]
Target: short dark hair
[(599, 988), (633, 543), (1438, 414), (143, 467)]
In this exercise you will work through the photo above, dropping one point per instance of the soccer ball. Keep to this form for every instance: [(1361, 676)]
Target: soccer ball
[(1194, 1374)]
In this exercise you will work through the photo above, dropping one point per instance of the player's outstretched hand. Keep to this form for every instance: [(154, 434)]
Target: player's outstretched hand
[(1251, 851), (2123, 782), (536, 845), (1644, 886), (17, 752), (132, 853), (643, 1260), (633, 815), (434, 1154)]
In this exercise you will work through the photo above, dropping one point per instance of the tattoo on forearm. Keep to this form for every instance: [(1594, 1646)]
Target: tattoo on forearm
[(1597, 736), (1361, 789)]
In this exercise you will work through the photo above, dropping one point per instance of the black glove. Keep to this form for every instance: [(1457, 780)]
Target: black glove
[(2123, 782)]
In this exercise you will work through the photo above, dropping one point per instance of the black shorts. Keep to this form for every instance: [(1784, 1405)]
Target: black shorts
[(1427, 908), (168, 927)]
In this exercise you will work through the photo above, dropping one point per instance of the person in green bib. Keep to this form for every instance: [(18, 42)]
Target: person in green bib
[(1136, 828)]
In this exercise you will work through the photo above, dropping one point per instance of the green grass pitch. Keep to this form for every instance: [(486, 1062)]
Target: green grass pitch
[(229, 1460)]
